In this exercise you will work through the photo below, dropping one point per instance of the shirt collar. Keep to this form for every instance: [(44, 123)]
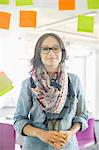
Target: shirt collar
[(71, 92)]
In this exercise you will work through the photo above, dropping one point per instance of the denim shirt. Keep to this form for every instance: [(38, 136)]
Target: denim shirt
[(28, 111)]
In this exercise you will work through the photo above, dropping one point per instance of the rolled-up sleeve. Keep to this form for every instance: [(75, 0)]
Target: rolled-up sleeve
[(23, 107), (81, 114)]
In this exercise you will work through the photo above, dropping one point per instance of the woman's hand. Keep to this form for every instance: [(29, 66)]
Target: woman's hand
[(68, 134), (54, 138)]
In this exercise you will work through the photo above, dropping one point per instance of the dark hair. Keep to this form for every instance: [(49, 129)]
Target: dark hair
[(36, 60)]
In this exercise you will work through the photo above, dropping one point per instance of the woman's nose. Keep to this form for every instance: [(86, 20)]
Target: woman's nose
[(51, 52)]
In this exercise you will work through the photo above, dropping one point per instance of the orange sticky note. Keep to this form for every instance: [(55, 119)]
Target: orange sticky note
[(28, 18), (4, 20), (66, 4)]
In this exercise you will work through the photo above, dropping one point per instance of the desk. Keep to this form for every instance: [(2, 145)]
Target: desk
[(6, 111)]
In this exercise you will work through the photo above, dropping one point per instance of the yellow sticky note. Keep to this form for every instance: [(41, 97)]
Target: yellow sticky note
[(4, 20), (23, 2), (28, 18), (85, 23), (4, 1), (5, 84), (93, 4)]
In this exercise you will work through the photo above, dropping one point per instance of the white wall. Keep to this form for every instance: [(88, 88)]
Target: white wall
[(97, 86)]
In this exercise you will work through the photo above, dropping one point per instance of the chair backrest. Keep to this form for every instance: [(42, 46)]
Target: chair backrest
[(7, 137), (87, 137)]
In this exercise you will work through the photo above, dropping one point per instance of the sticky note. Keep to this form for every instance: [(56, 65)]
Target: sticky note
[(23, 2), (4, 20), (66, 4), (85, 23), (4, 1), (5, 84), (28, 18), (93, 4)]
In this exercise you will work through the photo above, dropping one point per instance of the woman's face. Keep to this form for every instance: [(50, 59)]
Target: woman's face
[(51, 52)]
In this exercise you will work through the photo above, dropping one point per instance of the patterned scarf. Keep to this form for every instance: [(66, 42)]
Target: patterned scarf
[(51, 94)]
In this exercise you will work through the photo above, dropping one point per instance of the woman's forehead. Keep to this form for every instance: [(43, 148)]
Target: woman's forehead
[(50, 40)]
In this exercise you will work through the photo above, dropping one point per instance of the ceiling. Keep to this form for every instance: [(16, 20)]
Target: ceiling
[(50, 19)]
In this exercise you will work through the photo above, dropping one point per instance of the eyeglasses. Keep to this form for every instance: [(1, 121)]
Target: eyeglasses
[(46, 50)]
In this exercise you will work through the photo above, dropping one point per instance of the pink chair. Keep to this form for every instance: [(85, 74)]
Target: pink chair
[(7, 137), (87, 138)]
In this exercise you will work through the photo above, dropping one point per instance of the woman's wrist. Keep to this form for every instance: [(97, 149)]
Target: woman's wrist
[(37, 132), (71, 132), (32, 131), (75, 128)]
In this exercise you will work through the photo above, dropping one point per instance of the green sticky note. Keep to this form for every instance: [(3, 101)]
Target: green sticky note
[(93, 4), (85, 23), (4, 1), (23, 2), (5, 84)]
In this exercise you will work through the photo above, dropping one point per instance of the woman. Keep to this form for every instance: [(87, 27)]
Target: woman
[(51, 107)]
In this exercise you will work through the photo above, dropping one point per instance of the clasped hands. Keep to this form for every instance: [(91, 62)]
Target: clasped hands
[(57, 139)]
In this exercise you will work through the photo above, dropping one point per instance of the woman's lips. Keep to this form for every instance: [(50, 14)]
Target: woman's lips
[(51, 58)]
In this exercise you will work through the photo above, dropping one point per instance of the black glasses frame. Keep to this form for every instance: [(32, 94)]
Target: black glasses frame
[(48, 49)]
